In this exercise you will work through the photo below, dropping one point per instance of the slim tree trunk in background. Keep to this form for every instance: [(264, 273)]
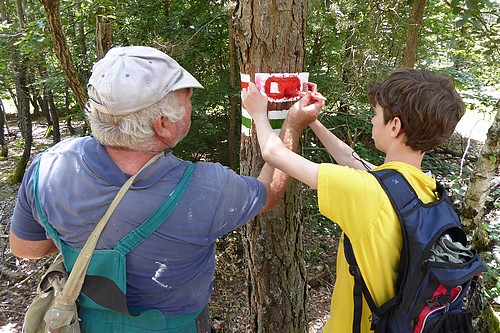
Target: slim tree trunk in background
[(24, 116), (53, 113), (104, 33), (4, 150), (410, 54), (270, 35), (23, 101), (479, 187), (44, 107), (62, 51), (232, 98)]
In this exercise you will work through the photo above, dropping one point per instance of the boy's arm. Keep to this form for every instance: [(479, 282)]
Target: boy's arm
[(340, 151), (275, 151)]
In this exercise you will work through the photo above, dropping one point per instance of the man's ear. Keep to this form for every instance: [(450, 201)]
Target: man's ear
[(164, 128)]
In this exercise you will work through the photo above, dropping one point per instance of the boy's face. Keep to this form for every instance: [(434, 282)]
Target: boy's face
[(379, 133)]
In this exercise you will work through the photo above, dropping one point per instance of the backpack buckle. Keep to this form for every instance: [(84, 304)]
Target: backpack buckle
[(374, 319), (439, 301), (354, 271)]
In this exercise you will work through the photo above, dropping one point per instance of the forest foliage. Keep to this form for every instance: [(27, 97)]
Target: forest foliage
[(350, 44)]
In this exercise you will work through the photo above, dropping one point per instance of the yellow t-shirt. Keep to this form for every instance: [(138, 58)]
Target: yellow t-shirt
[(355, 201)]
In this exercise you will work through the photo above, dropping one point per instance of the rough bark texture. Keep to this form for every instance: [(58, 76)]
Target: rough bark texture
[(3, 121), (23, 110), (23, 101), (479, 188), (232, 98), (104, 33), (410, 54), (4, 150), (270, 36), (62, 52), (480, 183)]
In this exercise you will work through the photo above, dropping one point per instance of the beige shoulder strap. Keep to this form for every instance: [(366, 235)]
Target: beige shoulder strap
[(75, 280)]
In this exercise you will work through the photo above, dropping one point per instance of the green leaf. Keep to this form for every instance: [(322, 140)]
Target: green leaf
[(460, 23), (493, 159)]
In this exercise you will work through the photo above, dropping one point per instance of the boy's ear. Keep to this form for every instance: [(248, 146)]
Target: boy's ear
[(396, 127)]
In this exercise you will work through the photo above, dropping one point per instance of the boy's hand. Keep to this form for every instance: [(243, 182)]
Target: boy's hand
[(307, 109), (254, 102)]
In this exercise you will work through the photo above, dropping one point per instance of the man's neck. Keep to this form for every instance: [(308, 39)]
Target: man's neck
[(129, 161)]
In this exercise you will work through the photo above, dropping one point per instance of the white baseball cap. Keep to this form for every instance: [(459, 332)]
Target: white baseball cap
[(129, 79)]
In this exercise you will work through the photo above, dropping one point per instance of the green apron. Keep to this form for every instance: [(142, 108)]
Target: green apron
[(102, 304)]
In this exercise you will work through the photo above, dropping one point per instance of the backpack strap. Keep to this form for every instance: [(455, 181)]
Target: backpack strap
[(400, 194), (141, 233), (359, 288), (397, 188), (404, 200)]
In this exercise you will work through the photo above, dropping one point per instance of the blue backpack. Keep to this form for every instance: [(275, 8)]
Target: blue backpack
[(437, 273)]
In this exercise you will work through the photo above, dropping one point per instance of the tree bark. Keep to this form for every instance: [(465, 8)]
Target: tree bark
[(4, 150), (104, 33), (410, 55), (232, 97), (23, 110), (3, 11), (270, 35), (62, 51), (479, 187), (23, 101), (53, 114)]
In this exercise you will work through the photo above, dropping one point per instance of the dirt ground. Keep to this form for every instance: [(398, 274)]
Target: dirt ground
[(229, 308)]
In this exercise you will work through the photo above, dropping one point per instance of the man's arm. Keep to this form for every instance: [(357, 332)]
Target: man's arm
[(31, 249), (275, 151), (340, 151), (275, 180)]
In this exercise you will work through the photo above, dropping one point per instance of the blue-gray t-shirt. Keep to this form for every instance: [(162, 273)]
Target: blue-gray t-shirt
[(172, 271)]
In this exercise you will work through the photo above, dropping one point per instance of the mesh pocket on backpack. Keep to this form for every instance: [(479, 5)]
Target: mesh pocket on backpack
[(450, 322)]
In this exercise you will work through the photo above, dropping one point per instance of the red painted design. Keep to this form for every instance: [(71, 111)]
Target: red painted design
[(282, 87)]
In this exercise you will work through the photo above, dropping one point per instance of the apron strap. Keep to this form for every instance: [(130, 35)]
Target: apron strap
[(141, 233)]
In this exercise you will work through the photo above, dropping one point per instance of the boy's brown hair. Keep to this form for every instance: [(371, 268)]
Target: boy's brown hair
[(427, 104)]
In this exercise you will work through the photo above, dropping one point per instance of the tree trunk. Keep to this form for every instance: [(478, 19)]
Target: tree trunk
[(472, 215), (23, 101), (62, 51), (270, 36), (480, 184), (4, 150), (55, 117), (410, 54), (104, 33), (23, 109), (3, 11), (232, 97)]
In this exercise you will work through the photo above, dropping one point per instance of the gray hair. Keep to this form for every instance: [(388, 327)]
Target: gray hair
[(133, 131)]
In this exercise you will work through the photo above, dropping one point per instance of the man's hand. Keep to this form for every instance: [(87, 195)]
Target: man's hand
[(254, 102), (306, 110)]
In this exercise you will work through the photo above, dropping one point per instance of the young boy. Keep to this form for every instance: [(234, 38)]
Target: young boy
[(414, 111)]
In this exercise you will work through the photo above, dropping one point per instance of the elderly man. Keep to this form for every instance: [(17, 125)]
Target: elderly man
[(139, 106)]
